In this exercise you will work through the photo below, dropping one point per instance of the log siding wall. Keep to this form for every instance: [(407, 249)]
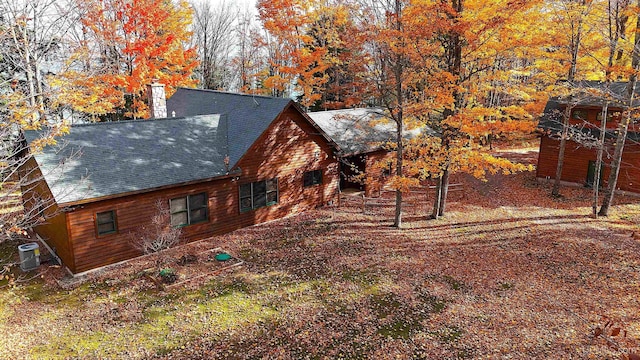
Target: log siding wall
[(285, 151), (577, 157), (576, 163), (54, 229), (376, 180)]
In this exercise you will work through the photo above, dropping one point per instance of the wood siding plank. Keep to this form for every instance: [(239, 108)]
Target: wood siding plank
[(576, 164)]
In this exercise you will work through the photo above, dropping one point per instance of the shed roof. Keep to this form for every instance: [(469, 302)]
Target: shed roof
[(128, 156), (592, 95)]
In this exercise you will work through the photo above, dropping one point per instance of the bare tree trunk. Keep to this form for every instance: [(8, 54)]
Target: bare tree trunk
[(617, 20), (437, 198), (615, 163), (575, 48), (215, 37), (563, 145), (623, 128), (601, 145), (397, 222), (444, 191)]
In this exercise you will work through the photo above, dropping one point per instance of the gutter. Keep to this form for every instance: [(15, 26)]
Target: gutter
[(70, 206)]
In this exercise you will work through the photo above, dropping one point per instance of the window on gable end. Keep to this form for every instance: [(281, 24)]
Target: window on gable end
[(258, 194), (311, 178)]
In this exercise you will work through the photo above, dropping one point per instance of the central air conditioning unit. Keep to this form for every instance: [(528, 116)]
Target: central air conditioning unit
[(29, 256)]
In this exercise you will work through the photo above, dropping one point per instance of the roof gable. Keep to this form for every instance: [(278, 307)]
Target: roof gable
[(248, 115), (129, 156)]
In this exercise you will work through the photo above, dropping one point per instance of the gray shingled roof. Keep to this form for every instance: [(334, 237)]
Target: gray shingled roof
[(358, 131), (591, 96), (248, 115), (129, 156), (593, 93)]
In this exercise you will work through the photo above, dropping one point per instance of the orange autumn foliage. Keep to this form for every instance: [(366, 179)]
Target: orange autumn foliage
[(126, 45), (312, 55), (461, 68)]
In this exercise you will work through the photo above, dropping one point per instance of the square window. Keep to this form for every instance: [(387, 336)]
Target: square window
[(258, 194), (198, 215), (245, 204), (311, 178), (197, 201), (178, 204), (245, 190), (189, 209), (179, 219), (272, 185), (106, 222)]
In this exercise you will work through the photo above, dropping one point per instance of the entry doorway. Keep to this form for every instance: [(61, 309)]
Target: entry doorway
[(352, 170), (591, 174)]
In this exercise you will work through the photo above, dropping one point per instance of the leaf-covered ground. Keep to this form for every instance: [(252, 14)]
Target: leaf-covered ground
[(509, 273)]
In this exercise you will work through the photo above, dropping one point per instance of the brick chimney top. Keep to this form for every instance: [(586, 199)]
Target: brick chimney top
[(157, 100)]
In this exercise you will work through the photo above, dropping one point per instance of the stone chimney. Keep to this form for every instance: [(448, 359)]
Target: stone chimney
[(157, 100)]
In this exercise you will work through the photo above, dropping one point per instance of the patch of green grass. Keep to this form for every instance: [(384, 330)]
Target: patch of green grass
[(506, 285), (399, 329), (434, 303), (361, 277), (454, 283), (448, 335), (232, 310), (167, 325), (34, 290)]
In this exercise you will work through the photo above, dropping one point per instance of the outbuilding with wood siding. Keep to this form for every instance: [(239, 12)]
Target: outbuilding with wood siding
[(585, 111)]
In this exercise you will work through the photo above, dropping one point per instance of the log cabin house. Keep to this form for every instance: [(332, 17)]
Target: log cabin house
[(226, 161), (581, 152)]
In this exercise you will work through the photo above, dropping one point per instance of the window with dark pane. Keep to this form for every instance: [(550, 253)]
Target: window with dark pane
[(106, 222), (272, 191), (246, 202), (197, 208), (579, 114), (312, 178), (188, 210), (258, 194)]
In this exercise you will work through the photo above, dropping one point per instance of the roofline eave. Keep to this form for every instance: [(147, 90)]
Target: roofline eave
[(231, 174)]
